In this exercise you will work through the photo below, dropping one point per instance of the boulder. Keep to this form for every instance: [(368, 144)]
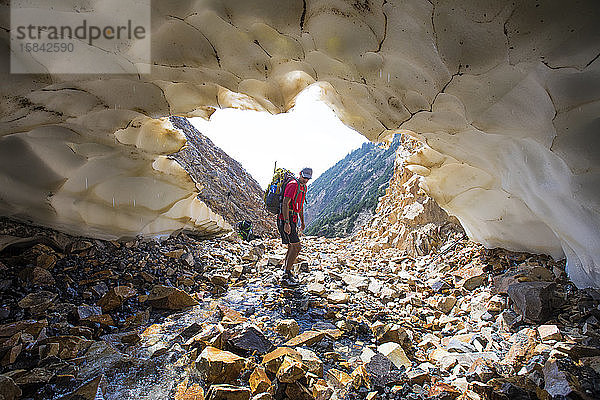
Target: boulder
[(191, 392), (288, 328), (307, 338), (248, 341), (115, 297), (290, 370), (549, 332), (395, 353), (535, 301), (259, 381), (273, 360), (228, 392), (170, 298), (38, 302), (219, 366)]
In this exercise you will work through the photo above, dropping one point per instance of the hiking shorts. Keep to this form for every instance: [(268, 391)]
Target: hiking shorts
[(292, 237)]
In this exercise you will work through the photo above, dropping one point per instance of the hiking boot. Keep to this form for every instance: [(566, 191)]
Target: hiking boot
[(288, 280)]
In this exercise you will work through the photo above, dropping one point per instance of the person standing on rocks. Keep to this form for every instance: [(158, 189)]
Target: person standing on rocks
[(292, 207)]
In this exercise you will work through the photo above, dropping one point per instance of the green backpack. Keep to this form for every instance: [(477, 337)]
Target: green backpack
[(274, 193)]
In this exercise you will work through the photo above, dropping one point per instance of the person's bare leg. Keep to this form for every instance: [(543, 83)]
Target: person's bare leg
[(286, 263), (294, 251)]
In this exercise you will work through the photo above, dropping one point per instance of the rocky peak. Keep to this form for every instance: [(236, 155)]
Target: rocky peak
[(223, 184)]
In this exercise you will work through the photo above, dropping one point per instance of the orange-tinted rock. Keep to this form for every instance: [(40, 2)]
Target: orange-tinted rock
[(259, 381), (185, 392), (219, 366), (170, 298), (228, 392), (290, 370), (307, 338), (273, 360)]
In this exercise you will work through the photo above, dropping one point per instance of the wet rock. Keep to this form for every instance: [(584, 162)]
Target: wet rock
[(259, 381), (85, 311), (248, 341), (228, 392), (338, 297), (316, 289), (307, 338), (69, 346), (290, 370), (9, 389), (115, 297), (288, 328), (92, 390), (191, 392), (218, 366), (274, 359), (311, 362), (533, 300), (170, 298)]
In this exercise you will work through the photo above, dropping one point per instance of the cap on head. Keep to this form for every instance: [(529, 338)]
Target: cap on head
[(306, 173)]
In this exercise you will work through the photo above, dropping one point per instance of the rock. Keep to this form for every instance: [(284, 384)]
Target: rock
[(339, 379), (273, 360), (38, 302), (228, 392), (307, 338), (523, 347), (41, 277), (443, 391), (290, 370), (321, 391), (69, 346), (417, 376), (92, 390), (533, 300), (396, 354), (496, 304), (115, 297), (549, 332), (288, 328), (218, 366), (446, 304), (379, 368), (175, 253), (310, 361), (250, 340), (170, 298), (338, 297), (9, 389), (259, 381), (316, 288), (297, 391), (84, 311), (558, 382), (192, 392), (473, 275), (34, 377)]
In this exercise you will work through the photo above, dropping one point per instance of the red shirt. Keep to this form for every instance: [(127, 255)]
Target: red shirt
[(290, 192)]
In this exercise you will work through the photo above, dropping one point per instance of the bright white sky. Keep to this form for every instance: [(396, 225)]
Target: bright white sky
[(309, 135)]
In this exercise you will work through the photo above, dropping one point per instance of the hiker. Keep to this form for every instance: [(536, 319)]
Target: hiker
[(292, 207)]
